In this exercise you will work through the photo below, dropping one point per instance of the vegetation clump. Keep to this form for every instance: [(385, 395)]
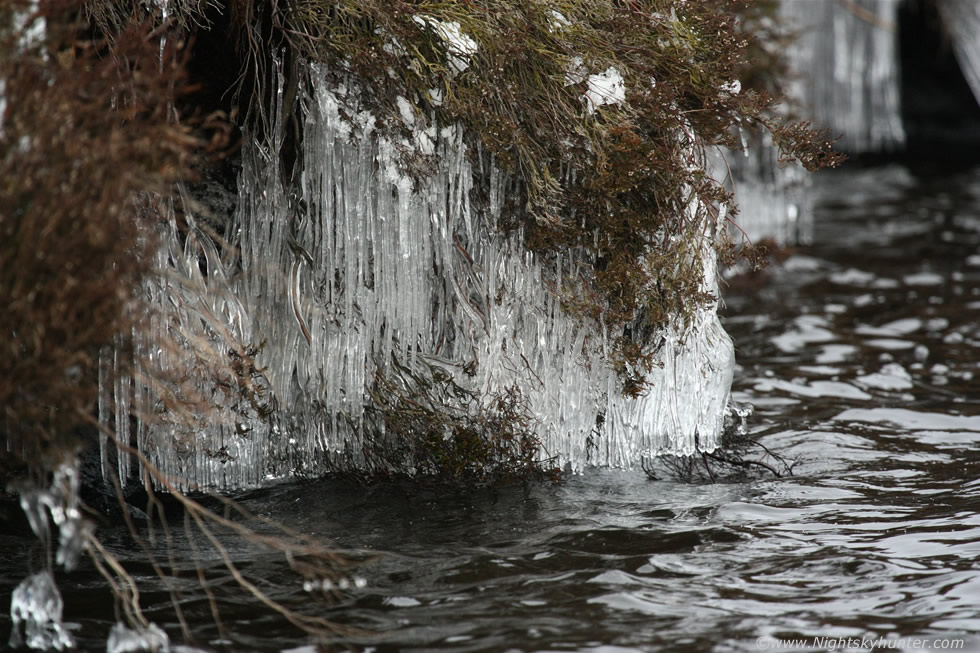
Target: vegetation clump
[(438, 429), (739, 457), (85, 130)]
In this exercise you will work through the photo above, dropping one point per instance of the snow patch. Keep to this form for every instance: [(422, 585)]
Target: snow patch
[(459, 46), (605, 88)]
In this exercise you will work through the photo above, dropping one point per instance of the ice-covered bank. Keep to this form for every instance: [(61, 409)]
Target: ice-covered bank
[(458, 242), (360, 284), (454, 252), (464, 242), (884, 76)]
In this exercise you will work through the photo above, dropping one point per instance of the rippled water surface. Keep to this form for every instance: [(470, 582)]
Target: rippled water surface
[(860, 355)]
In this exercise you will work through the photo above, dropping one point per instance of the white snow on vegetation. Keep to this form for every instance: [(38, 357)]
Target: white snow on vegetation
[(459, 46), (605, 88)]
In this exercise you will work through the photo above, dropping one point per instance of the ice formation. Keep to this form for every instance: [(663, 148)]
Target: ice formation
[(846, 59), (30, 25), (3, 102), (847, 64), (58, 503), (459, 46), (123, 639), (605, 88), (359, 270), (773, 198), (31, 28), (35, 604), (846, 77), (962, 19)]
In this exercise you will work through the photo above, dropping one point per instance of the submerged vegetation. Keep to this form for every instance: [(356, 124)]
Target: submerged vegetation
[(739, 457)]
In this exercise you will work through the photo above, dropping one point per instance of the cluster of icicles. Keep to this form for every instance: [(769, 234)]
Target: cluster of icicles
[(358, 270), (845, 74)]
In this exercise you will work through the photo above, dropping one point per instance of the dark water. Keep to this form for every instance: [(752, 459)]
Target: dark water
[(860, 355)]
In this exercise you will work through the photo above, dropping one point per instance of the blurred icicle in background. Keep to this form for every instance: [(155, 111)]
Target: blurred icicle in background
[(962, 19), (845, 75), (847, 70), (875, 73)]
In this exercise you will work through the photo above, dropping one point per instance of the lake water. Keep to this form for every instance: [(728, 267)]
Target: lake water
[(861, 356)]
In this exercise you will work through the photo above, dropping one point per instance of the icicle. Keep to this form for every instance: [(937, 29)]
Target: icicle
[(36, 605), (3, 102), (773, 198), (164, 7), (123, 406), (847, 78), (962, 20), (105, 409), (847, 70), (123, 639)]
